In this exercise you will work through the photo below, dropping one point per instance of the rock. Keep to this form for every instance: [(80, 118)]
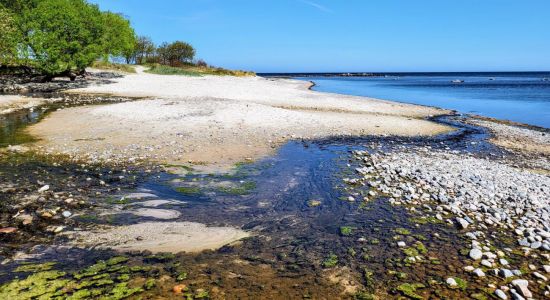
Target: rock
[(501, 294), (505, 273), (486, 263), (540, 276), (401, 244), (479, 272), (521, 285), (535, 245), (67, 214), (462, 223), (515, 295), (503, 262), (546, 268), (476, 254), (468, 268), (44, 188), (451, 282), (179, 289), (8, 230)]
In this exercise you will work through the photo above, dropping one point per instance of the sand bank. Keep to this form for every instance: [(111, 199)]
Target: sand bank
[(159, 237), (216, 120)]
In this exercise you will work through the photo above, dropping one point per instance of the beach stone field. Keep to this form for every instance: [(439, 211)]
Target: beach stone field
[(167, 187)]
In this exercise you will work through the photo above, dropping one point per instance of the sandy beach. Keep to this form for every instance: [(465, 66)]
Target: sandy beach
[(217, 120)]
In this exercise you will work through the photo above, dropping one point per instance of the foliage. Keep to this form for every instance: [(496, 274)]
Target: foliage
[(144, 49), (9, 36), (330, 261), (62, 35), (113, 67), (179, 52), (119, 38), (192, 70)]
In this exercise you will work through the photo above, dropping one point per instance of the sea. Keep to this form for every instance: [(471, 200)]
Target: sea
[(522, 97)]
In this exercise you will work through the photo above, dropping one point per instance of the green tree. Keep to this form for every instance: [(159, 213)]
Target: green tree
[(144, 49), (9, 37), (63, 36), (180, 52), (119, 38)]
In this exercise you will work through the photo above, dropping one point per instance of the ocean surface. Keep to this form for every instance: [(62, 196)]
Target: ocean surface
[(521, 97)]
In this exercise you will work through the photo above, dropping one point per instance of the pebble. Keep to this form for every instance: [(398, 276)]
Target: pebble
[(476, 254), (501, 294), (44, 188), (479, 272), (8, 230), (451, 282), (463, 223), (401, 244), (505, 273), (521, 285), (503, 262), (540, 276), (67, 214)]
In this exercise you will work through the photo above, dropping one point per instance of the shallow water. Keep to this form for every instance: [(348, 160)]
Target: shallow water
[(299, 250), (519, 97)]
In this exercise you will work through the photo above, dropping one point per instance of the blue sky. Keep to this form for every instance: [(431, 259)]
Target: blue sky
[(351, 35)]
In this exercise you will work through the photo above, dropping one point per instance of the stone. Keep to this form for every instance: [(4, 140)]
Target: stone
[(67, 214), (451, 282), (503, 262), (479, 272), (486, 263), (8, 230), (521, 286), (462, 223), (535, 245), (401, 244), (505, 273), (44, 188), (546, 268), (501, 294), (540, 276), (476, 254)]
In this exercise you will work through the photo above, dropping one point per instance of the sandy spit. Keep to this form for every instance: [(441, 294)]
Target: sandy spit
[(216, 120)]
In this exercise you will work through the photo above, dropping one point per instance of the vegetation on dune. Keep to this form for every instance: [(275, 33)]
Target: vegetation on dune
[(52, 38), (113, 66), (194, 70)]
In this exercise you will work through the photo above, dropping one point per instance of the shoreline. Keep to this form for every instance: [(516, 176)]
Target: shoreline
[(218, 121)]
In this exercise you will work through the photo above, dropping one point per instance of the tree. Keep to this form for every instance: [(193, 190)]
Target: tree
[(62, 36), (9, 37), (180, 52), (144, 49), (119, 38)]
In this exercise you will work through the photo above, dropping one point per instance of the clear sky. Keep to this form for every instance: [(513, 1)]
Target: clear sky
[(351, 35)]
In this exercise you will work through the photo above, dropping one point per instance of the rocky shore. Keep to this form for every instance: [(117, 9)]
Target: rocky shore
[(484, 197)]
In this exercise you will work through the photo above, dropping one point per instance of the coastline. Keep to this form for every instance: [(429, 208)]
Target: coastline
[(432, 192), (214, 122)]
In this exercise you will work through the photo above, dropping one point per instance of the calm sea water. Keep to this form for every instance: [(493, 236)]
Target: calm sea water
[(519, 97)]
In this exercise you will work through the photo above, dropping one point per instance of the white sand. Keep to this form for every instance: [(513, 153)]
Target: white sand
[(159, 237), (9, 103), (217, 120)]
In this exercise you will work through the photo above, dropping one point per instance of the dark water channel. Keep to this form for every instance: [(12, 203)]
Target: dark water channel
[(308, 240)]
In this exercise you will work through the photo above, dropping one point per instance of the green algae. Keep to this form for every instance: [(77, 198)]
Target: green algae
[(116, 260), (201, 294), (160, 257), (92, 270), (461, 283), (28, 268), (402, 231), (181, 276), (420, 247), (330, 261), (188, 190), (410, 251), (41, 285), (346, 230), (313, 203), (243, 189), (149, 284), (409, 290), (121, 291)]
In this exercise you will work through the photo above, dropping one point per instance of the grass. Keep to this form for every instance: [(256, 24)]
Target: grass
[(346, 230), (193, 70), (330, 261), (113, 67)]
